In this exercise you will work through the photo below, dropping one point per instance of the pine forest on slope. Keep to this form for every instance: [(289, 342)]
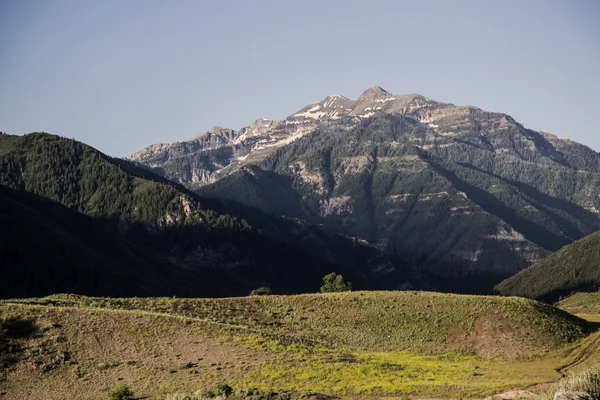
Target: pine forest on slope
[(575, 267), (148, 227)]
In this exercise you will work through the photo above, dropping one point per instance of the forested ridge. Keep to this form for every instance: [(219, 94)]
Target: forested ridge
[(575, 267), (240, 247)]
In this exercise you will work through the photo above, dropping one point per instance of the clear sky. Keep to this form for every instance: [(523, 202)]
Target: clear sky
[(121, 75)]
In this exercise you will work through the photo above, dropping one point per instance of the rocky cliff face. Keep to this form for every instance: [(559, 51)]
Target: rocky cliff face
[(460, 191), (220, 151)]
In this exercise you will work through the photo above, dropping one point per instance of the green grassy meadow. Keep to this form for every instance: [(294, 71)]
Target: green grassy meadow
[(365, 344)]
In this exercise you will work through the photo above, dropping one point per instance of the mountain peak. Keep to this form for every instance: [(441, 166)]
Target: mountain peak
[(374, 91)]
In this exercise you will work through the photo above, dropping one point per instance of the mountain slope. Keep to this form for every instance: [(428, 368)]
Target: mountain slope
[(575, 267), (581, 303), (201, 236), (448, 206), (469, 195)]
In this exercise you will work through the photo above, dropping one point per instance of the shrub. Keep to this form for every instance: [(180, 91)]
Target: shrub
[(223, 389), (261, 291), (335, 283), (225, 392), (16, 328), (121, 392), (187, 365)]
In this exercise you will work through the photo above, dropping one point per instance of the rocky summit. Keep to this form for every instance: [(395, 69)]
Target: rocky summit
[(218, 152)]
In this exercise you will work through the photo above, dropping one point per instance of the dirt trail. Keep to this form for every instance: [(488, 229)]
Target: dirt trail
[(585, 353)]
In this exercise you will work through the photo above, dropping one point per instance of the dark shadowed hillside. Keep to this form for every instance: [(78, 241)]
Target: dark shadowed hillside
[(48, 248), (201, 237)]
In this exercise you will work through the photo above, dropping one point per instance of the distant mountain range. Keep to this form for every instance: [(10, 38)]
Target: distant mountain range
[(466, 196), (75, 220)]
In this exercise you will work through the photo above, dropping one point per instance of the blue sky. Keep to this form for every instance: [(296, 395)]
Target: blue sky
[(121, 75)]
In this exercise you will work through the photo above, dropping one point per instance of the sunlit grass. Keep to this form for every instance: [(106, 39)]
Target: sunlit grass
[(400, 373)]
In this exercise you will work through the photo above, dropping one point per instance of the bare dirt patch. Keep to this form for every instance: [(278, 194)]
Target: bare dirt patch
[(86, 352)]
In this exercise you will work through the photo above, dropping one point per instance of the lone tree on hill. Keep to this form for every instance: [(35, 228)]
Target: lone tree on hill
[(335, 283), (261, 291)]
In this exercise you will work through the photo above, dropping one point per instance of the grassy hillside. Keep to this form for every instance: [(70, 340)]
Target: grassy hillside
[(362, 319), (585, 305), (581, 303), (357, 343), (202, 236), (572, 268)]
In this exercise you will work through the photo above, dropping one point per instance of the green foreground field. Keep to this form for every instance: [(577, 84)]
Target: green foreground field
[(365, 344)]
